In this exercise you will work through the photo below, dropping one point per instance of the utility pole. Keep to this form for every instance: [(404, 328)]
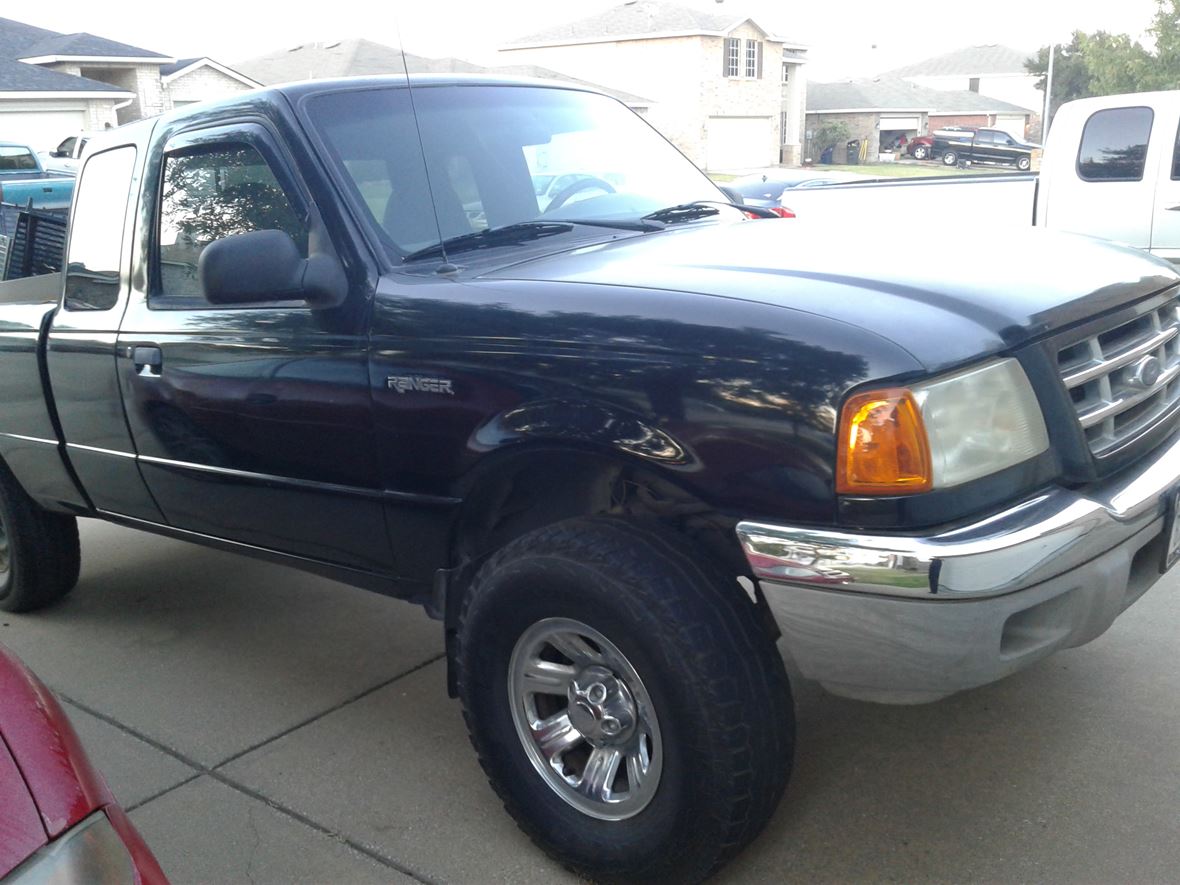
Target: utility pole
[(1048, 93)]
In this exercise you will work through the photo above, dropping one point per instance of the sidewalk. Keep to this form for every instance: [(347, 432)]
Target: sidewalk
[(264, 725)]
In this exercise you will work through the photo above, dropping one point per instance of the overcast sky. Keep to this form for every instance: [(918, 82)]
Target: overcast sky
[(847, 37)]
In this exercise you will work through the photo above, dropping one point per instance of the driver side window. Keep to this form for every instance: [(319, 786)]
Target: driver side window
[(209, 193)]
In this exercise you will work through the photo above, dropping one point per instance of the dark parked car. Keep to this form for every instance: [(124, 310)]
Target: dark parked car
[(620, 445), (58, 820), (992, 146)]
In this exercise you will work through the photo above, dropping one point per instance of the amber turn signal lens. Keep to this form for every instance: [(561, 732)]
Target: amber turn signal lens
[(883, 448)]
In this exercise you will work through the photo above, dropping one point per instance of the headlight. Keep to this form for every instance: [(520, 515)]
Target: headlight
[(940, 433), (90, 852)]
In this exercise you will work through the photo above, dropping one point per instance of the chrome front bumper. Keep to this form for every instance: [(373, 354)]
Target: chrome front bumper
[(915, 618)]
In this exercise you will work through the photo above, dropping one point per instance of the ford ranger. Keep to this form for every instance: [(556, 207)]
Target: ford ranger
[(633, 448)]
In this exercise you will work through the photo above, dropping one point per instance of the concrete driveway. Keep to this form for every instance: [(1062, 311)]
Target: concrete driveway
[(267, 726)]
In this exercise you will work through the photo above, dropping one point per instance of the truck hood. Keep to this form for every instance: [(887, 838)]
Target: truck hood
[(945, 297)]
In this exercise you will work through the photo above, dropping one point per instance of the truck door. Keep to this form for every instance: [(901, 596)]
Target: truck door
[(1107, 193), (81, 347), (252, 421), (1165, 223), (983, 149)]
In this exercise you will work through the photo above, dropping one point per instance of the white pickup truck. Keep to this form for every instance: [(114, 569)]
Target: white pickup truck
[(1111, 169)]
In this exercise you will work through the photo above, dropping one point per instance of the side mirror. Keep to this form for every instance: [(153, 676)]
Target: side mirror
[(57, 154), (264, 267)]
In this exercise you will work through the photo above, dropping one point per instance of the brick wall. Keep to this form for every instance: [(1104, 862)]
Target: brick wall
[(100, 114), (941, 121), (860, 126)]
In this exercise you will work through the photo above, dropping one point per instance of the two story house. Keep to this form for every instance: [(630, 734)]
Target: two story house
[(725, 90)]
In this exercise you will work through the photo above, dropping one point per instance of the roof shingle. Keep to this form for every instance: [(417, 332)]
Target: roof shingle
[(16, 36), (971, 61), (634, 20), (85, 45), (895, 94)]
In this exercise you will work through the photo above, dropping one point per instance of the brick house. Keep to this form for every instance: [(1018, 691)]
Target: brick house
[(724, 89), (879, 111), (54, 85)]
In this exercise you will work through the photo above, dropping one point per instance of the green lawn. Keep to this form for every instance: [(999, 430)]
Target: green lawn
[(914, 170)]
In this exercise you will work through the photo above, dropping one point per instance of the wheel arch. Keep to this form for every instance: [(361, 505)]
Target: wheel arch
[(530, 486)]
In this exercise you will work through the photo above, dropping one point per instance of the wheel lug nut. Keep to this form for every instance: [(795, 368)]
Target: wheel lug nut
[(596, 693), (611, 726)]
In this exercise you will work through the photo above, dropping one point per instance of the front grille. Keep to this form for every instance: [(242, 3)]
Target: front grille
[(1123, 379)]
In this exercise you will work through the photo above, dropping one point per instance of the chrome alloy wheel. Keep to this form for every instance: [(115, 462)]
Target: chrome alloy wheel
[(584, 718)]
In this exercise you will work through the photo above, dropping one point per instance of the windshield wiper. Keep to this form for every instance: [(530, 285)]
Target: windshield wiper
[(701, 209), (508, 235)]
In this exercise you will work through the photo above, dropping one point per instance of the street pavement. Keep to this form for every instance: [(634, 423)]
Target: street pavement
[(263, 725)]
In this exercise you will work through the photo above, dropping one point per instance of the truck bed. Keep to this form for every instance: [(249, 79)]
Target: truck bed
[(917, 204)]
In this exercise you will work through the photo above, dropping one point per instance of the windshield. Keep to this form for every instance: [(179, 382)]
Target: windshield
[(497, 156)]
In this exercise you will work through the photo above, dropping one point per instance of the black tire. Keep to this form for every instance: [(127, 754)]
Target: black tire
[(1023, 163), (40, 556), (713, 677), (950, 158)]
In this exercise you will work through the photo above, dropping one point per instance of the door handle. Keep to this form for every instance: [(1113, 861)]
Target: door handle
[(149, 361)]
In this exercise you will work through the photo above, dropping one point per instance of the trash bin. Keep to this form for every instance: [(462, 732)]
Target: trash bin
[(826, 156), (853, 152)]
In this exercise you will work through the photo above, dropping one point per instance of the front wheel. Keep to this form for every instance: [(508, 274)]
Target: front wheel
[(950, 158), (920, 152), (625, 701)]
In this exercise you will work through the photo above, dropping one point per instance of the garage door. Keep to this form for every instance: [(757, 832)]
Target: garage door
[(1013, 125), (740, 143), (41, 130), (906, 123)]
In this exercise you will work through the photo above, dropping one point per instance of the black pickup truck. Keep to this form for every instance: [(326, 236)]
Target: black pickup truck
[(990, 146), (619, 447)]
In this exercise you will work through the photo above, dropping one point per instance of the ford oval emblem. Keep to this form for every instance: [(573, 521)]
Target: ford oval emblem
[(1146, 372)]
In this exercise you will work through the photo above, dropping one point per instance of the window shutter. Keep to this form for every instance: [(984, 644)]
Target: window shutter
[(725, 57), (759, 52)]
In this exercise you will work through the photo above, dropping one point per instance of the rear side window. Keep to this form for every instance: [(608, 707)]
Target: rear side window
[(1114, 145), (1176, 157), (96, 231), (16, 159), (210, 193)]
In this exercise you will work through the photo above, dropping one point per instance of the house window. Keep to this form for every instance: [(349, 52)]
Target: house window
[(782, 127), (786, 72), (753, 58), (733, 48), (973, 84)]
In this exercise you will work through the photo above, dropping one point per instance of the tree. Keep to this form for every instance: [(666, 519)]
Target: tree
[(831, 135), (1071, 76), (1116, 63), (1163, 70)]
